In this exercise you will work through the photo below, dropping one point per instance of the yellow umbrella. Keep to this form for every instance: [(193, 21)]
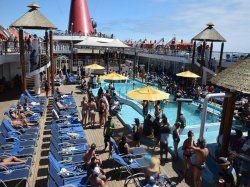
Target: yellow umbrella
[(94, 66), (187, 74), (113, 76), (148, 93)]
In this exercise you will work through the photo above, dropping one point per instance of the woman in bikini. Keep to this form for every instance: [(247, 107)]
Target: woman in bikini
[(92, 109), (84, 105)]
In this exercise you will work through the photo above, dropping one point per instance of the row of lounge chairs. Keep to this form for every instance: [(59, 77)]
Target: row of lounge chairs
[(20, 143)]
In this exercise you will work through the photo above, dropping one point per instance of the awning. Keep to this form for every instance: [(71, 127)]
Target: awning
[(102, 42)]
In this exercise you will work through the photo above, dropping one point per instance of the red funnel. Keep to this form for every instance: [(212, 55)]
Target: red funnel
[(79, 19)]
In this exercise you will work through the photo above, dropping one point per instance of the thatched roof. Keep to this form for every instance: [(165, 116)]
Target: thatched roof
[(236, 77), (33, 19), (209, 34)]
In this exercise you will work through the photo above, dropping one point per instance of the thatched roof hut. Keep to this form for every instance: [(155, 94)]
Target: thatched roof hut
[(236, 77), (209, 34), (33, 19)]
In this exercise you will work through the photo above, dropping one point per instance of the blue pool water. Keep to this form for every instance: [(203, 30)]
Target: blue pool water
[(193, 116)]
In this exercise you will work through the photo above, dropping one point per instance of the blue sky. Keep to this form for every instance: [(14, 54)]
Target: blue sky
[(151, 19)]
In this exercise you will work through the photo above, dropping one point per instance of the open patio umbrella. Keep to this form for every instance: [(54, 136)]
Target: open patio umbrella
[(94, 67), (113, 77), (187, 74), (148, 93)]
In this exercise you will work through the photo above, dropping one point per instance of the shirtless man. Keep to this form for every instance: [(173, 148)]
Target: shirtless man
[(157, 109), (90, 154), (187, 152), (84, 105), (92, 109), (11, 161), (201, 153)]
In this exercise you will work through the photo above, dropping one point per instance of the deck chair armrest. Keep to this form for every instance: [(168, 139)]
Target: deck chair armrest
[(12, 139), (5, 155), (12, 132), (7, 146), (2, 167)]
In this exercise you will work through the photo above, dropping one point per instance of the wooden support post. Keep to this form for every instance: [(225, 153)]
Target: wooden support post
[(221, 56), (52, 62), (202, 59), (47, 53), (178, 111), (227, 124), (193, 56), (210, 55), (22, 60), (120, 61), (107, 61)]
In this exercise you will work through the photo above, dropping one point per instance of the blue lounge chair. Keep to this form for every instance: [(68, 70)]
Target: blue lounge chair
[(71, 141), (16, 150), (37, 109), (32, 119), (75, 175), (128, 164), (11, 141), (64, 135), (64, 150), (39, 98), (17, 177), (137, 151), (65, 129), (15, 167), (66, 112), (66, 159), (12, 133), (7, 125)]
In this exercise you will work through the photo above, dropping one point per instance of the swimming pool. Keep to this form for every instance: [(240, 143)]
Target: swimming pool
[(190, 110)]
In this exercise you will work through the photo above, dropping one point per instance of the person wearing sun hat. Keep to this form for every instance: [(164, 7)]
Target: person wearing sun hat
[(153, 170), (227, 173), (94, 179)]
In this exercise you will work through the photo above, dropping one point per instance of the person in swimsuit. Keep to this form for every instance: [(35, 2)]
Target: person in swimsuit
[(187, 153), (84, 106), (123, 146), (200, 155), (176, 139), (92, 109), (102, 108), (157, 109), (137, 132), (145, 108), (11, 161)]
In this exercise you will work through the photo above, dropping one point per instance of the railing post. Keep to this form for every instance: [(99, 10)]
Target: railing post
[(22, 60), (47, 54), (51, 61), (193, 57)]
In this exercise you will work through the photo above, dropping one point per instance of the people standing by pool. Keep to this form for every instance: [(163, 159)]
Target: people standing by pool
[(102, 108), (107, 95), (145, 108), (137, 132), (148, 126), (182, 120), (108, 132), (187, 152), (84, 105), (176, 139), (156, 127), (92, 109), (164, 135), (198, 163), (157, 109)]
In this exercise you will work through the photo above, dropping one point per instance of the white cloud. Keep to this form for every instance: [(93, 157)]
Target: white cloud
[(230, 17)]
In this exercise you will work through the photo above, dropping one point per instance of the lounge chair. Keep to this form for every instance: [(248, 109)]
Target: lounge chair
[(62, 174), (11, 141), (32, 119), (70, 150), (17, 177)]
